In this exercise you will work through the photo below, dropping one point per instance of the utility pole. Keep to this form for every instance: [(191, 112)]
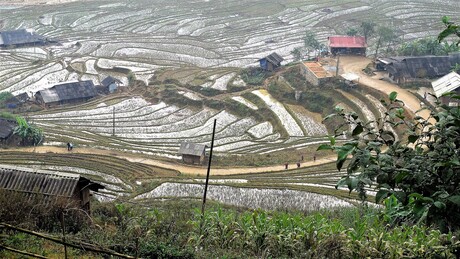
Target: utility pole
[(337, 67), (207, 176)]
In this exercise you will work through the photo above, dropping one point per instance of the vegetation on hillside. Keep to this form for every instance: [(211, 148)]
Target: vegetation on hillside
[(419, 174), (172, 230)]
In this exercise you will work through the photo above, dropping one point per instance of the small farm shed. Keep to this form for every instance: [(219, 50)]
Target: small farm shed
[(6, 131), (271, 62), (410, 69), (71, 187), (192, 153), (315, 73), (111, 84), (21, 37), (347, 45), (445, 84), (22, 98), (72, 92), (350, 79)]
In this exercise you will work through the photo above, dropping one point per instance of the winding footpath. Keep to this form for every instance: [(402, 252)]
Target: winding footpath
[(356, 64), (182, 168)]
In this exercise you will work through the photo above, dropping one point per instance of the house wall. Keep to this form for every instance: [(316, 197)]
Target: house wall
[(189, 159), (354, 51), (310, 76)]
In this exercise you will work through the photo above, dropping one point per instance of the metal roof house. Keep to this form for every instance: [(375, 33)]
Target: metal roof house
[(445, 84), (21, 37), (347, 45), (192, 153), (47, 184), (271, 62), (111, 84), (64, 93), (409, 69)]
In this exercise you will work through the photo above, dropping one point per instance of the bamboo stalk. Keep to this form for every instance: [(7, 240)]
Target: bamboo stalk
[(22, 252), (78, 245)]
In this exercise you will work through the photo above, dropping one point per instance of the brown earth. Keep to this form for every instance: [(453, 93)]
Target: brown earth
[(356, 64)]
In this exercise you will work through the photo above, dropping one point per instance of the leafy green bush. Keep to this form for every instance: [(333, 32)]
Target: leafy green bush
[(254, 75), (420, 173)]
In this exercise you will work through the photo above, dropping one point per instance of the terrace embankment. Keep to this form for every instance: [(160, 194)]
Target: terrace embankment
[(183, 169)]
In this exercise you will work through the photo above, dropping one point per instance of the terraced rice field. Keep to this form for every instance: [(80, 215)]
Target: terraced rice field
[(143, 36), (100, 38)]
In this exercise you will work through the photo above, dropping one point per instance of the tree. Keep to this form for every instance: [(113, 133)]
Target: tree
[(29, 134), (297, 54), (420, 171), (367, 29), (311, 43), (352, 32), (385, 35), (451, 29)]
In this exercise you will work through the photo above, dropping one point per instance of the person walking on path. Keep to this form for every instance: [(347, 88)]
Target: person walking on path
[(68, 146), (298, 164), (286, 166), (314, 158)]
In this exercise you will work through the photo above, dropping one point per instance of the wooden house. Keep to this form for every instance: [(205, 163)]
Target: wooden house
[(271, 62), (6, 131), (355, 45), (47, 184), (192, 153), (21, 37), (111, 84), (65, 93), (411, 69), (446, 84), (315, 73)]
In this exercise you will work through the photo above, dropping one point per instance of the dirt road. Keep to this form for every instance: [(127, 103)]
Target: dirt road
[(356, 64), (184, 169)]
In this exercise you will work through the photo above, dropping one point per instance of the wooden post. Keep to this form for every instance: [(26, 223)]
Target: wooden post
[(207, 177), (337, 68)]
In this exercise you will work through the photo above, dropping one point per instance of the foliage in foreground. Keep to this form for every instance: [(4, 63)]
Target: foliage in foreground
[(172, 230), (419, 173)]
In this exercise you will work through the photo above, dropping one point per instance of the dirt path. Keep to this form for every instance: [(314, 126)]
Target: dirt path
[(356, 64), (184, 169)]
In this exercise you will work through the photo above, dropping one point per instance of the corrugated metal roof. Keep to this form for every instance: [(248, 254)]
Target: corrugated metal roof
[(350, 76), (6, 128), (421, 66), (41, 182), (274, 58), (347, 42), (191, 149), (21, 36), (49, 95), (445, 84), (69, 91)]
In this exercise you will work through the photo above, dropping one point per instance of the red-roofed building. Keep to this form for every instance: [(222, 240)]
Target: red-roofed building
[(347, 45)]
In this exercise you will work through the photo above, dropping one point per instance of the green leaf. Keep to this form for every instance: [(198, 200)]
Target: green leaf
[(324, 147), (455, 199), (382, 195), (439, 205), (332, 140), (393, 96)]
